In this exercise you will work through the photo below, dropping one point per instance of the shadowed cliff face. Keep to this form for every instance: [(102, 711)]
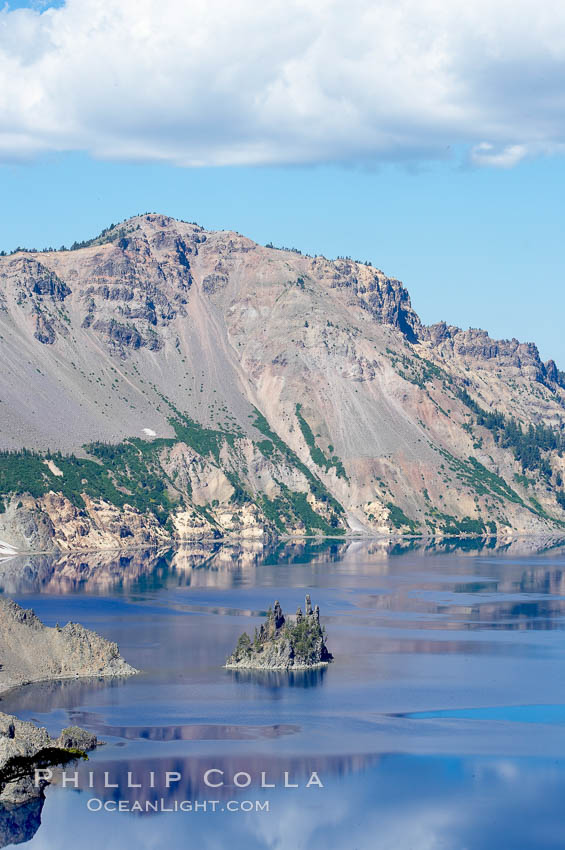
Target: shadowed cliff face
[(275, 392), (18, 824)]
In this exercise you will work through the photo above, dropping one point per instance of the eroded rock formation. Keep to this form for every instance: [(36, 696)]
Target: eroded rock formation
[(280, 644)]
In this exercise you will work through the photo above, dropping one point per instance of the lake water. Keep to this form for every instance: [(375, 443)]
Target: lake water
[(439, 726)]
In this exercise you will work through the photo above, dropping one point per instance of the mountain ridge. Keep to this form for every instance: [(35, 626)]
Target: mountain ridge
[(436, 332), (275, 385)]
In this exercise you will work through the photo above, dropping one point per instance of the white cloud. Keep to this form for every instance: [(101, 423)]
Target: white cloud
[(219, 82), (506, 157)]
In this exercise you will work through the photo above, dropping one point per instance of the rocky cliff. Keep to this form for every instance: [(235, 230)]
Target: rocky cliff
[(25, 747), (161, 383)]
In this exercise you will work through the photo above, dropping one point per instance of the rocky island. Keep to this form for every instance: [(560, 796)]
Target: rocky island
[(283, 645)]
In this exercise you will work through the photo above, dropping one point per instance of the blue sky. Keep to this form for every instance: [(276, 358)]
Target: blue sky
[(476, 247), (294, 133)]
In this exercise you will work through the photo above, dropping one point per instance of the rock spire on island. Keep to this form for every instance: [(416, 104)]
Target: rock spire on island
[(281, 644)]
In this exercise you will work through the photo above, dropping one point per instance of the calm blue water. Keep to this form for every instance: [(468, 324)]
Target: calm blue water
[(440, 725)]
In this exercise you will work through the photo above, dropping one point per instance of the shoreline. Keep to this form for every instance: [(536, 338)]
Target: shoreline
[(294, 538), (279, 669), (13, 686)]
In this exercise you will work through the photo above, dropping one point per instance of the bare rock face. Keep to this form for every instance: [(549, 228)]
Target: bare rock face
[(311, 399), (19, 739), (52, 522), (24, 747), (385, 299), (33, 652), (75, 738), (120, 336), (551, 372), (283, 645), (476, 346), (39, 293)]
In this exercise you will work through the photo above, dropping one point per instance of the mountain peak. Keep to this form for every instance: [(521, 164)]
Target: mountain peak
[(277, 389)]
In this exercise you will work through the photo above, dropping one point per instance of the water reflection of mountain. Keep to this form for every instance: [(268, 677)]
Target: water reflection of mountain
[(497, 596), (225, 565), (19, 824), (68, 694), (399, 802), (151, 774), (87, 571)]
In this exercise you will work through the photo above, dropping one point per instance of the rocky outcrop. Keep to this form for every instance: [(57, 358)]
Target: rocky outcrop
[(120, 336), (25, 747), (76, 738), (52, 523), (38, 292), (476, 346), (29, 277), (384, 298), (280, 644), (33, 652)]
